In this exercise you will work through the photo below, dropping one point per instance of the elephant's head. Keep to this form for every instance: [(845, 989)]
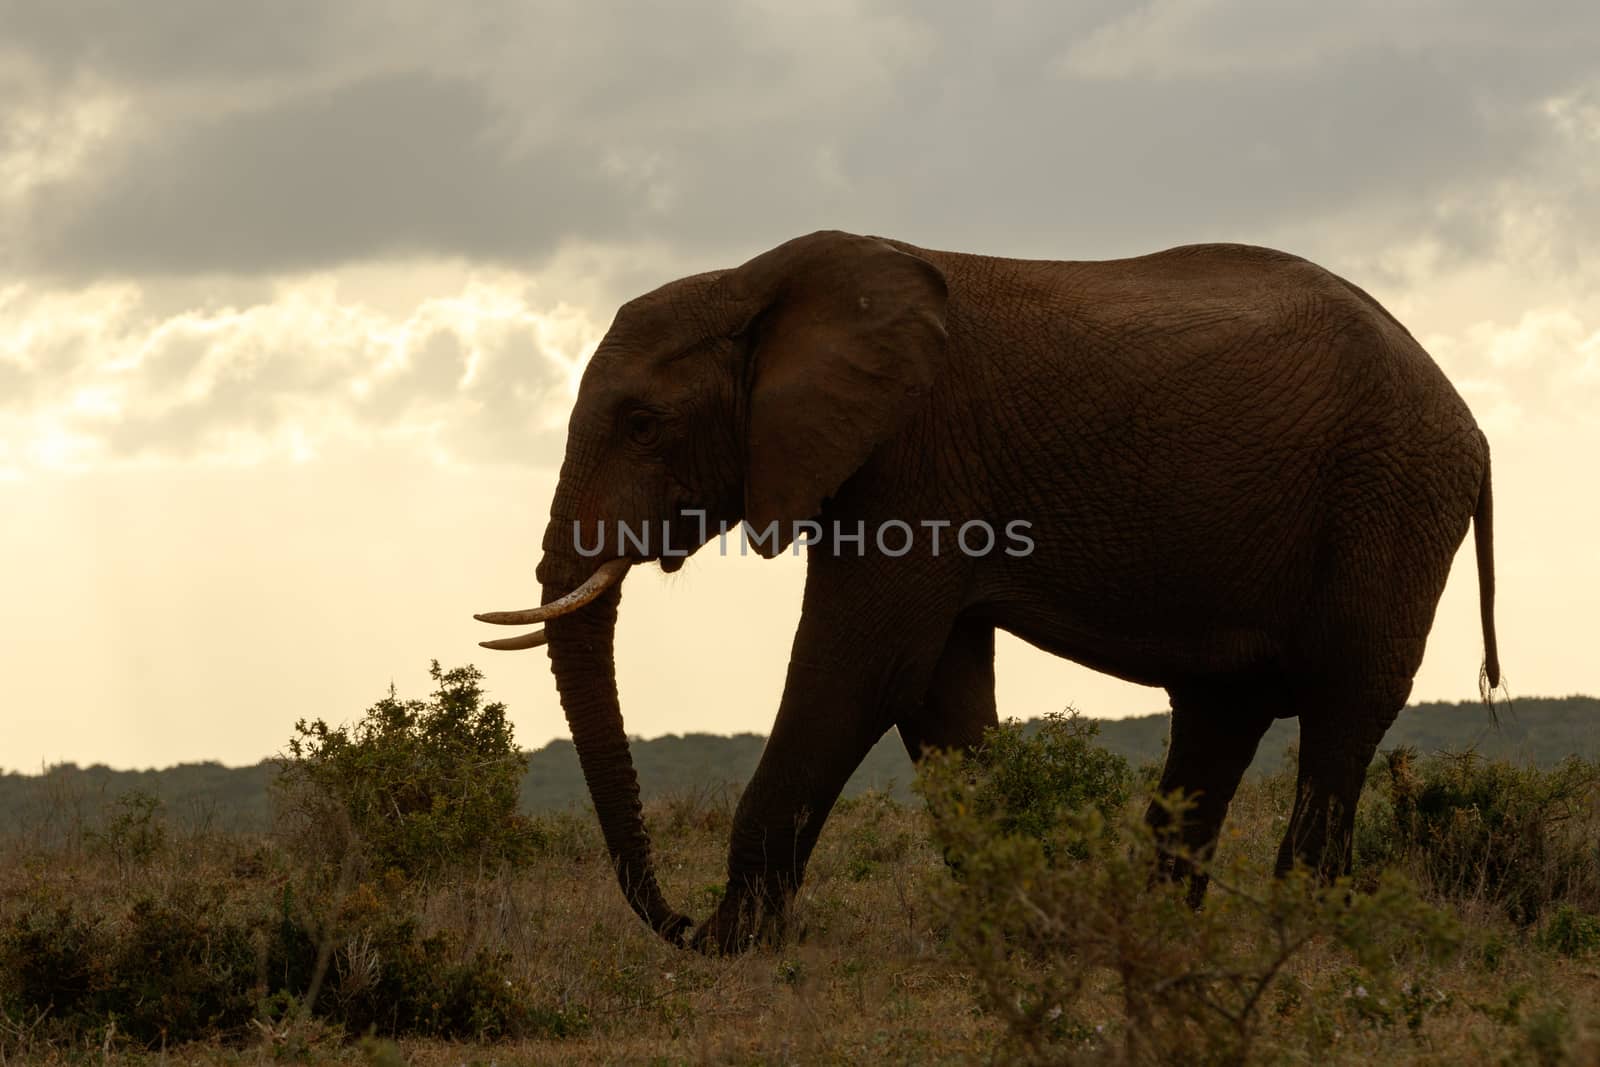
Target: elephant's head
[(751, 393)]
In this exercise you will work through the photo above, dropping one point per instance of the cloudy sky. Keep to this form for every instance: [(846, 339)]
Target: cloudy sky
[(294, 297)]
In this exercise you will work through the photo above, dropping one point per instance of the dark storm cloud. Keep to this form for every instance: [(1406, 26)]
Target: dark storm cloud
[(394, 165), (174, 40), (1115, 164), (1028, 128)]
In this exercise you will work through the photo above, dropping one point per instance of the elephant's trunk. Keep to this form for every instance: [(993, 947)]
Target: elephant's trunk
[(582, 656)]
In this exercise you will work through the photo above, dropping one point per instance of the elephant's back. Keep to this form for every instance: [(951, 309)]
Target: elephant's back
[(1234, 323)]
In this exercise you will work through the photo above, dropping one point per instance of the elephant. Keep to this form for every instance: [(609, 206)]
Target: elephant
[(1229, 472)]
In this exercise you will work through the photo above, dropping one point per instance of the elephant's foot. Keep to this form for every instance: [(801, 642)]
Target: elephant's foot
[(1320, 836), (743, 920), (1185, 873), (1182, 869), (1327, 861), (1184, 847)]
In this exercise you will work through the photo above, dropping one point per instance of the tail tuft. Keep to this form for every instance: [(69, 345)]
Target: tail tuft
[(1483, 542)]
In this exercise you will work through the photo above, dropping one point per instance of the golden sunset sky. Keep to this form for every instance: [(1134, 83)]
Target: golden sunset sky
[(294, 298)]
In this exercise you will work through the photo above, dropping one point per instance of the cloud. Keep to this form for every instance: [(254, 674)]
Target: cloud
[(490, 136), (1206, 39), (508, 131), (92, 378), (1540, 366), (396, 166), (173, 40), (172, 180)]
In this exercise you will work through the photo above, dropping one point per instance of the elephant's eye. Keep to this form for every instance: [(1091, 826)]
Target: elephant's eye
[(643, 428)]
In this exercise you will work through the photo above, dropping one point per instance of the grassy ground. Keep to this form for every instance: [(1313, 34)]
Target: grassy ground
[(871, 973)]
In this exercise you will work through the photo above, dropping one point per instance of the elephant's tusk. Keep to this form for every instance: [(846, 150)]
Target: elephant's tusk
[(512, 644), (608, 575)]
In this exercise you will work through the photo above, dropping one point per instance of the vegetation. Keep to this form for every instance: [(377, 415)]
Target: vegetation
[(1082, 958), (1008, 915), (1487, 833), (418, 786), (1534, 731)]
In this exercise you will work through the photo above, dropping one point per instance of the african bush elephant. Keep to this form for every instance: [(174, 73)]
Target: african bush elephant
[(1218, 469)]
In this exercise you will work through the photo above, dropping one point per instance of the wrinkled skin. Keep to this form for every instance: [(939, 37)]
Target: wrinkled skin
[(1245, 482)]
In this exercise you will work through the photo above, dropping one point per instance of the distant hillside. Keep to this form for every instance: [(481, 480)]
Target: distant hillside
[(1539, 730)]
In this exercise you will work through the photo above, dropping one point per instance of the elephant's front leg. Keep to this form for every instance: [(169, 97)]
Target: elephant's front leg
[(823, 731), (856, 668)]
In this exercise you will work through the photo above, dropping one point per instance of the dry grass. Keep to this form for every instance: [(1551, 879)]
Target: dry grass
[(869, 975)]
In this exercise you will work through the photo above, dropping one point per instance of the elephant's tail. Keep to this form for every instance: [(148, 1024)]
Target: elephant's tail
[(1483, 539)]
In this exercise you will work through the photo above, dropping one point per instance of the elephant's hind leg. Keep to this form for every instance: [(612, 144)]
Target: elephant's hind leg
[(1217, 725), (960, 704), (1395, 526), (1360, 654), (1339, 735)]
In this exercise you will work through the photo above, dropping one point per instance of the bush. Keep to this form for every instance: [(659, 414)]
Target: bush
[(390, 978), (1056, 906), (1571, 932), (165, 970), (203, 962), (1517, 837), (134, 830), (252, 945), (421, 786), (1032, 785)]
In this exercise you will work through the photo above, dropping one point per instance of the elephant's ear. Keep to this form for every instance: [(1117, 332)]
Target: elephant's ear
[(848, 335)]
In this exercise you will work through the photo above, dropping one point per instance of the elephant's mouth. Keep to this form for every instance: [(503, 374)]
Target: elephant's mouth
[(681, 537), (605, 576)]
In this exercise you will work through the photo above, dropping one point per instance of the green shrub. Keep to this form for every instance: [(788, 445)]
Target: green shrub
[(133, 830), (331, 932), (421, 786), (1056, 905), (201, 963), (52, 958), (1571, 932), (1518, 837), (165, 970), (390, 978), (1032, 785)]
